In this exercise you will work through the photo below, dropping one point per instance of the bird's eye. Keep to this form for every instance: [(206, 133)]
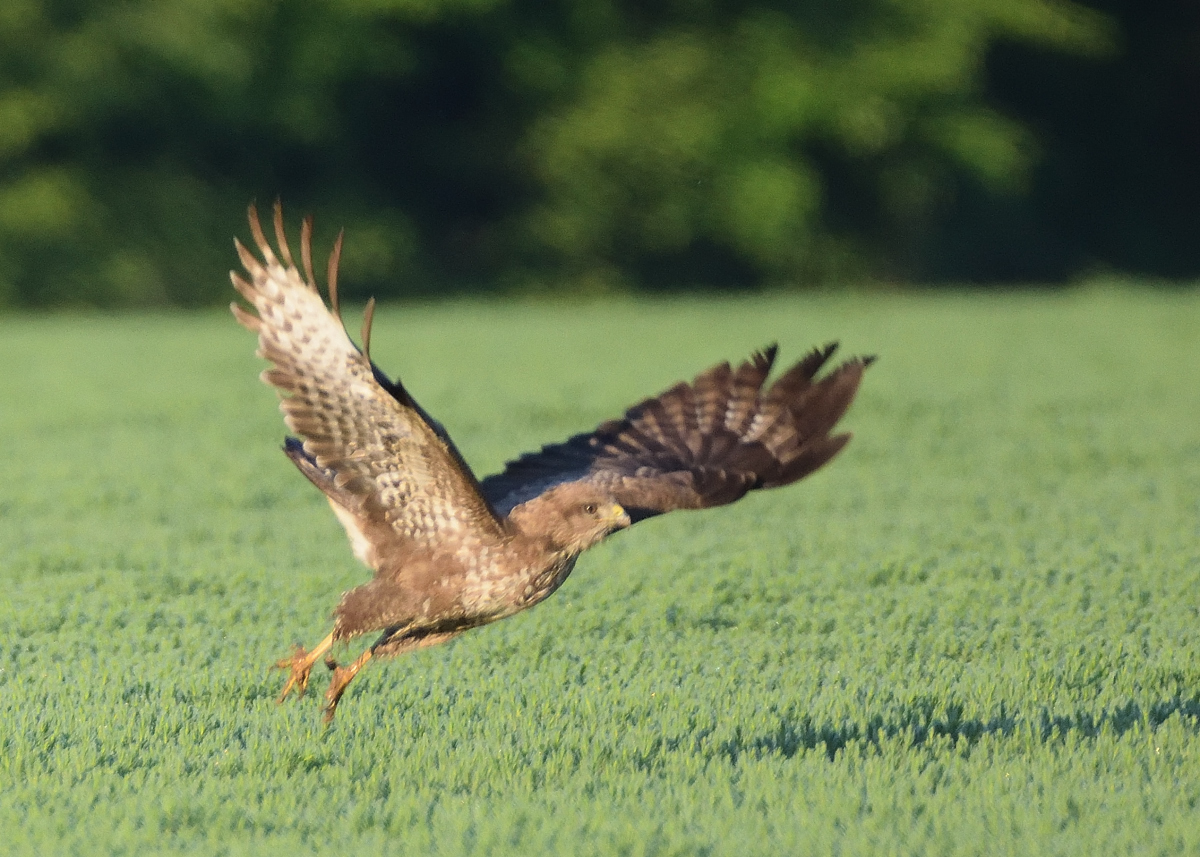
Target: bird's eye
[(590, 508)]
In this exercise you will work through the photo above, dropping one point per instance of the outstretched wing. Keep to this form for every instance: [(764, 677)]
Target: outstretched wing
[(700, 444), (392, 475)]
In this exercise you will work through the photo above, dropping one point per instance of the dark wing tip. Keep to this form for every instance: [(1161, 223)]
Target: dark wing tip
[(764, 359), (811, 457), (293, 445)]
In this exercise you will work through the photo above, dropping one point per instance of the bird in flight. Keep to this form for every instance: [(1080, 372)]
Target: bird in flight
[(451, 552)]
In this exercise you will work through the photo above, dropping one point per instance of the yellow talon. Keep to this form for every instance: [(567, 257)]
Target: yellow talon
[(300, 665), (341, 678)]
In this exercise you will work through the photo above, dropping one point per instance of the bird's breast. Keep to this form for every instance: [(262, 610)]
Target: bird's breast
[(509, 583), (541, 582)]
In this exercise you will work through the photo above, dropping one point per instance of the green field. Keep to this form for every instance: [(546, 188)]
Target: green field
[(976, 632)]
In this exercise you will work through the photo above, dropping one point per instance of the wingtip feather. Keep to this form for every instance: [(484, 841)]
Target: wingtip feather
[(243, 286), (331, 277), (260, 239), (368, 317), (306, 230), (252, 265), (765, 358), (246, 319), (280, 235)]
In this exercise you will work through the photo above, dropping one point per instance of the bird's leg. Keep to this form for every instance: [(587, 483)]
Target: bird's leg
[(341, 678), (393, 641), (300, 664)]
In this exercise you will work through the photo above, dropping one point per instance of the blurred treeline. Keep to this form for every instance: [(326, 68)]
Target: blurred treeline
[(498, 145)]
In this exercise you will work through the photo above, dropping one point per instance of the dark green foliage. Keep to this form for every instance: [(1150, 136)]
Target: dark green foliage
[(496, 145), (1117, 177), (729, 150), (975, 632)]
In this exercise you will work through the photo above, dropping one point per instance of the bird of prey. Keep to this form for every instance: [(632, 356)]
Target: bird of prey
[(450, 552)]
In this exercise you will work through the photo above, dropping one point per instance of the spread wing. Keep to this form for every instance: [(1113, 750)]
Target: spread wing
[(391, 473), (700, 444)]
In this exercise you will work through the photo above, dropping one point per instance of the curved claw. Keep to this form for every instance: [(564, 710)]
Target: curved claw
[(300, 668), (300, 665), (341, 678)]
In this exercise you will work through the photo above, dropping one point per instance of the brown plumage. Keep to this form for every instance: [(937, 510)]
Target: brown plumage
[(451, 553)]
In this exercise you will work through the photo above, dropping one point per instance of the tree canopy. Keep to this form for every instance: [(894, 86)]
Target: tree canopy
[(499, 144)]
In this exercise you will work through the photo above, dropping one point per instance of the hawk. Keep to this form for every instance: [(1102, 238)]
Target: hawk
[(450, 552)]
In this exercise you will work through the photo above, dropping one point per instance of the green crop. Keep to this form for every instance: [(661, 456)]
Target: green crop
[(975, 632)]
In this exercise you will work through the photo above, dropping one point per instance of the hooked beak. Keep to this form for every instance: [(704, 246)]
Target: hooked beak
[(617, 517)]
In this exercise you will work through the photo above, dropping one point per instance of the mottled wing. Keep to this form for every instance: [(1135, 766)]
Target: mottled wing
[(700, 444), (390, 472)]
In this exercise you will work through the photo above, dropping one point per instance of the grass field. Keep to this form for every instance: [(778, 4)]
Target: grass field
[(974, 633)]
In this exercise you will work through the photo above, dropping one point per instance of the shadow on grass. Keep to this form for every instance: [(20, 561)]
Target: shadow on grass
[(798, 734)]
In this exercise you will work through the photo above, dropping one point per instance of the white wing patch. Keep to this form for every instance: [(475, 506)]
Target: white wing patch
[(359, 543)]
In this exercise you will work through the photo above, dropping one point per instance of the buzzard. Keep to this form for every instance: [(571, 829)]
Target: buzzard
[(450, 552)]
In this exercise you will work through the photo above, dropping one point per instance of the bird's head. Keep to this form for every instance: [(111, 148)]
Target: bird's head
[(573, 517)]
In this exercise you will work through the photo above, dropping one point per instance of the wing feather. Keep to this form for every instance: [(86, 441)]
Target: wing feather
[(700, 444), (367, 444)]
